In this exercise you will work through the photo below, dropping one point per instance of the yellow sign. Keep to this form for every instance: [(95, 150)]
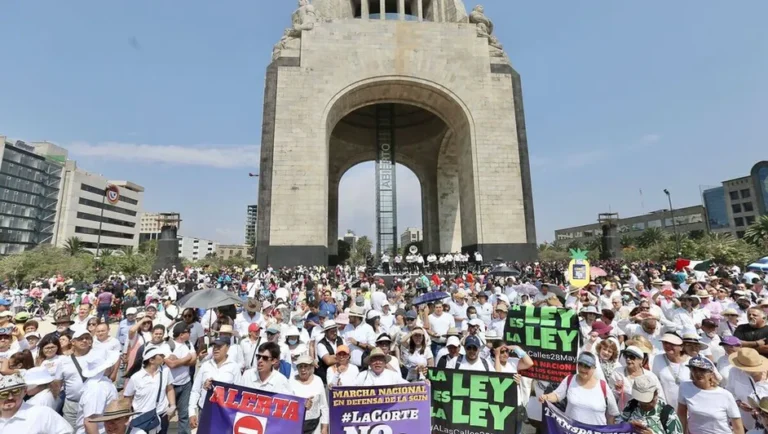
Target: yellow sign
[(578, 269)]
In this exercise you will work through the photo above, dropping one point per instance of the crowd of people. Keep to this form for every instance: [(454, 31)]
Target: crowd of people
[(668, 350)]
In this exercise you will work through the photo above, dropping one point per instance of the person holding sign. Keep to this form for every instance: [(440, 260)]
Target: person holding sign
[(589, 400), (378, 374)]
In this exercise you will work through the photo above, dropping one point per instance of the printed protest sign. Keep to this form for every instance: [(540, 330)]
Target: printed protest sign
[(397, 409), (550, 336), (473, 402), (558, 423), (242, 410)]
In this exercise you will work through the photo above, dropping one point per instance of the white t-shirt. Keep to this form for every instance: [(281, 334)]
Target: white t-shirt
[(96, 394), (387, 378), (276, 382), (670, 375), (316, 391), (143, 387), (587, 405), (346, 378), (181, 373), (67, 371), (440, 325), (478, 365), (111, 344), (709, 411), (35, 419), (44, 398)]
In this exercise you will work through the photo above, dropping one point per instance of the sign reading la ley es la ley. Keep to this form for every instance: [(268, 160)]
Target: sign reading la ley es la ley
[(396, 409), (473, 401), (242, 410), (550, 336)]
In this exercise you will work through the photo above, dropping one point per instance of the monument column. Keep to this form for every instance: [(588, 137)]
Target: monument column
[(365, 9), (382, 9)]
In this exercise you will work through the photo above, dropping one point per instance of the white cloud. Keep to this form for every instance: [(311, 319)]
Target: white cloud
[(218, 156)]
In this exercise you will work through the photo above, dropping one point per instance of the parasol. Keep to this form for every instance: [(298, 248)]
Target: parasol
[(209, 299), (597, 272), (505, 271), (429, 297)]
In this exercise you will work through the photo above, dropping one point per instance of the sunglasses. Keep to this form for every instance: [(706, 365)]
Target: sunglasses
[(265, 358), (12, 392), (631, 357)]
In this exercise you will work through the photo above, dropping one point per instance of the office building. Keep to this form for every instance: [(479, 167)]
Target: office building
[(86, 213), (195, 248), (686, 219), (151, 224), (226, 251), (410, 235), (250, 225), (736, 205), (30, 179)]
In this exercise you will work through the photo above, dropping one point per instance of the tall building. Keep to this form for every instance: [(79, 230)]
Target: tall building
[(195, 248), (226, 251), (250, 225), (30, 179), (410, 235), (737, 204), (86, 213), (151, 224), (688, 219)]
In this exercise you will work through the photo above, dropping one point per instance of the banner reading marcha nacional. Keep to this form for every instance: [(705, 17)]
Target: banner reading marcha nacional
[(242, 410), (558, 423), (400, 409), (472, 402), (550, 336)]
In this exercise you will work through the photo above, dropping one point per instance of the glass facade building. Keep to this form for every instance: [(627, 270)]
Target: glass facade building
[(717, 209), (29, 191)]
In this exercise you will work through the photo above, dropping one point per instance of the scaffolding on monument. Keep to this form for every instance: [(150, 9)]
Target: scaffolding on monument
[(386, 192)]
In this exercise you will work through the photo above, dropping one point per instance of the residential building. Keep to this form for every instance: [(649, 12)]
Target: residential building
[(409, 236), (30, 179), (250, 225), (195, 248), (686, 219), (737, 204), (226, 251), (85, 212), (152, 223)]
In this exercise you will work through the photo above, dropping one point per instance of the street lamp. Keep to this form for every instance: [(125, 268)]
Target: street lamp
[(674, 223)]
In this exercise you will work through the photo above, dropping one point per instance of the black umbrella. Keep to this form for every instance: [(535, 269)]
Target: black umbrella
[(429, 297), (209, 299), (505, 271)]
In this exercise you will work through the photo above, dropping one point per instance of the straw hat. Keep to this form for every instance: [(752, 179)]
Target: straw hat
[(357, 311), (748, 360), (377, 352), (117, 409)]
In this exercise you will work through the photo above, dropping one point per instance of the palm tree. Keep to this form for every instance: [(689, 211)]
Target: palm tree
[(127, 250), (148, 247), (106, 252), (651, 237), (73, 246), (627, 241), (757, 234)]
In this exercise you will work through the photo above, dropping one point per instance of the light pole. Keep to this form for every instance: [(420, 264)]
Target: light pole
[(674, 223)]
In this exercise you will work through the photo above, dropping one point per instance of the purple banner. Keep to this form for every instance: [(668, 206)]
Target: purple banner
[(400, 409), (558, 423), (242, 410)]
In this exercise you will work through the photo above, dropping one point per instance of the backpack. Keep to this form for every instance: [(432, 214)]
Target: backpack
[(666, 411)]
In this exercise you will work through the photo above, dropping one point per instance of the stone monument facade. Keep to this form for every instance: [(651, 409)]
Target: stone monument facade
[(458, 116)]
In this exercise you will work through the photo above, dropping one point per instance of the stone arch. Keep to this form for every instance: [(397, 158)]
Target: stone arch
[(454, 152)]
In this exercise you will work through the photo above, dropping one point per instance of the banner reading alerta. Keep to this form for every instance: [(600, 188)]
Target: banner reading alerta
[(396, 409), (550, 336), (559, 423), (242, 410), (472, 402)]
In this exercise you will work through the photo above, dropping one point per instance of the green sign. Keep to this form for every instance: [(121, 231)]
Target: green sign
[(471, 401)]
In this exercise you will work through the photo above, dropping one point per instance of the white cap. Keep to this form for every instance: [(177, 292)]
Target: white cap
[(80, 333), (453, 340), (476, 322), (131, 311), (38, 376), (373, 314), (292, 331)]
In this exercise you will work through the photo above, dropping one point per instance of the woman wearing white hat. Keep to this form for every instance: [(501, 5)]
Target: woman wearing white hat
[(670, 367), (97, 390), (151, 388), (416, 355)]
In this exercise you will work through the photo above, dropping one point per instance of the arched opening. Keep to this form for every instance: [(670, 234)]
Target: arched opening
[(432, 137), (357, 205)]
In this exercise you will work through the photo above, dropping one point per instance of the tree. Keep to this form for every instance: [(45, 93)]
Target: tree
[(757, 234), (148, 247), (361, 251), (627, 241), (650, 237), (344, 251), (73, 246)]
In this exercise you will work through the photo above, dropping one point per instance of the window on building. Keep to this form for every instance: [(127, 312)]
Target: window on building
[(736, 208), (739, 221), (748, 207), (654, 224), (750, 220), (734, 195), (745, 193)]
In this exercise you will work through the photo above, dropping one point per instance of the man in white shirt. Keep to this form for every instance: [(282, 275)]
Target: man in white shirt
[(478, 261), (378, 298), (69, 371), (472, 361), (387, 320), (439, 324), (218, 368), (20, 418), (104, 342), (81, 320), (266, 375), (180, 361), (459, 308), (358, 335), (377, 374), (484, 309), (249, 315), (97, 391)]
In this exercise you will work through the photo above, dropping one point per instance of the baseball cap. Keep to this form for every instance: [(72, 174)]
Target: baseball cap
[(131, 311), (472, 341), (80, 333), (305, 360), (181, 328), (701, 363), (253, 327), (342, 349), (453, 341), (643, 389), (273, 329), (731, 341), (221, 340)]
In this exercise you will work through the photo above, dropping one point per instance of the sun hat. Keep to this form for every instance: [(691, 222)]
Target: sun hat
[(251, 305), (672, 338), (477, 322), (292, 331), (357, 311), (342, 349), (100, 362), (587, 359), (635, 351), (372, 314), (701, 363), (342, 319), (10, 382), (730, 311), (472, 341), (452, 331), (377, 353), (691, 337), (748, 360), (117, 409), (656, 281), (38, 376), (305, 360), (730, 341), (644, 389), (502, 307), (491, 335), (226, 328), (589, 309), (453, 341), (267, 305)]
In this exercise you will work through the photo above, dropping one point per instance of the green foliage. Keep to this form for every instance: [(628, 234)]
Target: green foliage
[(757, 234), (344, 250), (651, 237), (74, 246), (148, 247), (627, 241), (361, 251), (719, 247)]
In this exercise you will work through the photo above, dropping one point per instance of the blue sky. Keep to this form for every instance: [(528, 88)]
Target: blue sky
[(619, 96)]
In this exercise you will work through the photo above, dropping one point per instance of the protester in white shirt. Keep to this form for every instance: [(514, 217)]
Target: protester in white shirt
[(249, 315), (342, 373), (69, 369), (670, 367), (473, 361), (181, 359), (104, 342), (250, 346), (378, 374), (308, 385), (218, 368), (97, 391), (38, 382), (152, 387), (705, 408), (266, 375), (358, 335), (18, 417)]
